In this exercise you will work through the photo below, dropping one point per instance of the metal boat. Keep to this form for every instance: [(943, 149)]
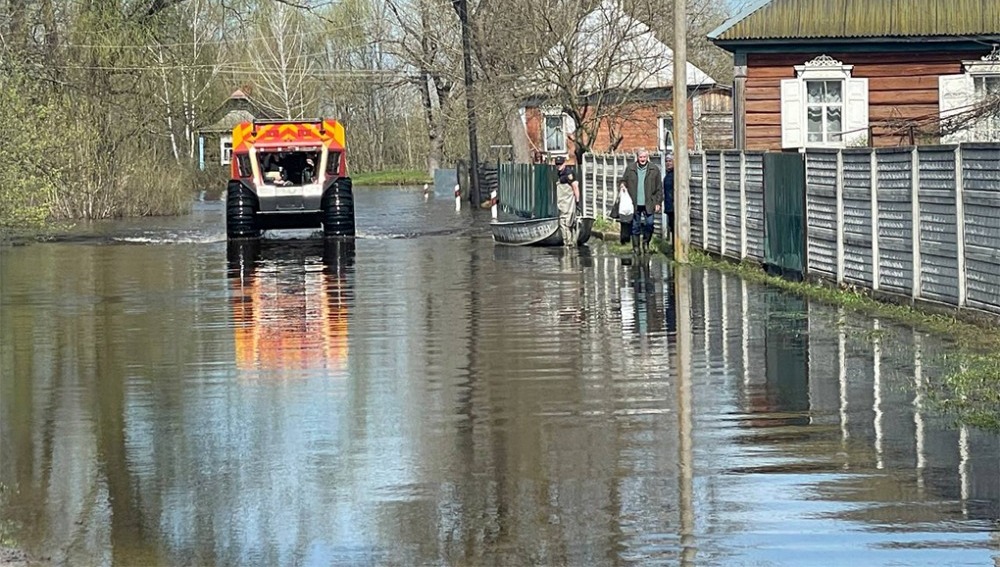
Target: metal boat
[(538, 232)]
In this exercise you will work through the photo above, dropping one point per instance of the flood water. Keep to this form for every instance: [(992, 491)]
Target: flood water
[(425, 398)]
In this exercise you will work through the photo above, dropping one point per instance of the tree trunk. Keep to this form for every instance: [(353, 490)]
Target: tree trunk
[(518, 135)]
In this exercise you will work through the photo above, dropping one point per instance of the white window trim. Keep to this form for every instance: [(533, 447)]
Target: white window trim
[(553, 112), (823, 68), (660, 131), (794, 104), (988, 64), (956, 93), (223, 158)]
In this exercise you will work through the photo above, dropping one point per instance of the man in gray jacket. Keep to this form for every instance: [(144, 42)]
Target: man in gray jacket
[(644, 184)]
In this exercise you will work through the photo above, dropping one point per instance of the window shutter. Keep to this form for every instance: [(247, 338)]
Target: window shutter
[(792, 114), (955, 92), (856, 121), (570, 126)]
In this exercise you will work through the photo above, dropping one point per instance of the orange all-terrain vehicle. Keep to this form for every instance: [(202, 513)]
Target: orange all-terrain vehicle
[(289, 174)]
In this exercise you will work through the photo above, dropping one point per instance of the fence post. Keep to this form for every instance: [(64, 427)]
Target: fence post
[(704, 201), (593, 185), (604, 183), (876, 268), (915, 224), (840, 216), (743, 205), (722, 204), (614, 173), (663, 210), (960, 224)]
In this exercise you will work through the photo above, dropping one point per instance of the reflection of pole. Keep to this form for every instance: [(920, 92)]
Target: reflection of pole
[(682, 213), (918, 410), (462, 8), (877, 403), (842, 379), (685, 458)]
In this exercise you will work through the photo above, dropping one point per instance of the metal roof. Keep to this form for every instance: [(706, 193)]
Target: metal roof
[(841, 19)]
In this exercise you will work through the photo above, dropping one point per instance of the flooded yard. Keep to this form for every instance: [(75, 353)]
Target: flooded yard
[(423, 397)]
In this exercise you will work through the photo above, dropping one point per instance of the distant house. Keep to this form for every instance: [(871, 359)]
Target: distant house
[(863, 72), (644, 116), (215, 140)]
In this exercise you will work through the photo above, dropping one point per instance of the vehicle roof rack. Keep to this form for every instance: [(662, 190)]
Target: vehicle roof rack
[(283, 121)]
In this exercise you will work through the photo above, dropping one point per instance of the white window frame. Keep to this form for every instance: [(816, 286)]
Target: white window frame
[(225, 153), (830, 137), (548, 113), (795, 104), (662, 130), (957, 94)]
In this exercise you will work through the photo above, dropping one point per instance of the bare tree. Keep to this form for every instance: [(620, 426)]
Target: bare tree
[(507, 39), (423, 41), (188, 66), (285, 74), (595, 68)]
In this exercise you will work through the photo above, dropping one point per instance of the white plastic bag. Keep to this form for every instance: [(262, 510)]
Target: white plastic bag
[(625, 205)]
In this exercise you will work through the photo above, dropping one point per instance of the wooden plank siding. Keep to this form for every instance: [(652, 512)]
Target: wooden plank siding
[(902, 87)]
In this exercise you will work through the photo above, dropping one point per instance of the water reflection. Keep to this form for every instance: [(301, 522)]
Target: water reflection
[(290, 303), (496, 406), (648, 298), (833, 432)]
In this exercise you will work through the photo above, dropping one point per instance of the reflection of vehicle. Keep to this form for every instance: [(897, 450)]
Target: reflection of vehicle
[(289, 174), (287, 315)]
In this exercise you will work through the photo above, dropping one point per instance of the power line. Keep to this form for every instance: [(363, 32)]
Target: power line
[(222, 41)]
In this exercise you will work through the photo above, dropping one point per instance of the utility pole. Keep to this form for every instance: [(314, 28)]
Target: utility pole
[(462, 8), (682, 185)]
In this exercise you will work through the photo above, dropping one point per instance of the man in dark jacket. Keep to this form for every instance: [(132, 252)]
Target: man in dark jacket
[(642, 181), (668, 193)]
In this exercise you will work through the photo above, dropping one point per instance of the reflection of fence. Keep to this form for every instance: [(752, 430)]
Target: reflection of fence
[(527, 190), (920, 222), (854, 382)]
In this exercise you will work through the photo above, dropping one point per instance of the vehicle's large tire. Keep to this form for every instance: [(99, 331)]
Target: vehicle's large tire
[(241, 211), (338, 209)]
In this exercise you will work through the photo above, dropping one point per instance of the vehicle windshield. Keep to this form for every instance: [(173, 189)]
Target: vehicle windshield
[(282, 167)]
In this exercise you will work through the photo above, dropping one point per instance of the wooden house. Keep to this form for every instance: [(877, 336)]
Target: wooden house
[(215, 140), (836, 73), (642, 114)]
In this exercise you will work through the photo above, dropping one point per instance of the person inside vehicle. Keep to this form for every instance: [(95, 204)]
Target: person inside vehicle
[(283, 177), (309, 171)]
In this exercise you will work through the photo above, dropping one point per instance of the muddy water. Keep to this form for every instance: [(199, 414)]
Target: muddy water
[(424, 398)]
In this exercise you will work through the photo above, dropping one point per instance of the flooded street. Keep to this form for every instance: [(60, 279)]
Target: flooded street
[(422, 397)]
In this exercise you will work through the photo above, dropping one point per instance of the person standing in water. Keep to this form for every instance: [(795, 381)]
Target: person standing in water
[(644, 186), (567, 195)]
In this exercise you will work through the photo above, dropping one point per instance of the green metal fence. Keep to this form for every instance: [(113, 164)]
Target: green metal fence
[(784, 214), (528, 190)]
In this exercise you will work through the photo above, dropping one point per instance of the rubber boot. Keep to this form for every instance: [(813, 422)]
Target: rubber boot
[(635, 244), (646, 239)]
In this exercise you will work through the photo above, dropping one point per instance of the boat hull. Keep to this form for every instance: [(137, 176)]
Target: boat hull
[(538, 232)]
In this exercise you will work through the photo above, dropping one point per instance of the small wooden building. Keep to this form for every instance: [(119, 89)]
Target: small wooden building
[(836, 73), (215, 140)]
